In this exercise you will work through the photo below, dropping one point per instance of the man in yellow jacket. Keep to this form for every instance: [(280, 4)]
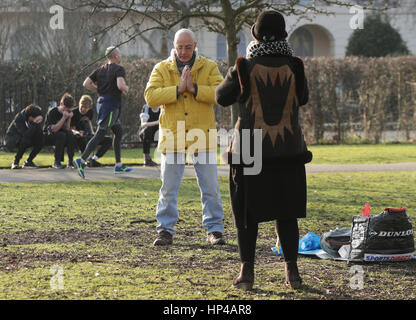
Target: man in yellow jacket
[(184, 86)]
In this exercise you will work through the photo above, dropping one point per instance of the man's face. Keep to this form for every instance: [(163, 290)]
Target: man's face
[(117, 57), (83, 109), (185, 47)]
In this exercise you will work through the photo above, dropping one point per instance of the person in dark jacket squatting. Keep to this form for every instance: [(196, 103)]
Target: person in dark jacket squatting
[(270, 86), (57, 131), (81, 125), (24, 132), (149, 119)]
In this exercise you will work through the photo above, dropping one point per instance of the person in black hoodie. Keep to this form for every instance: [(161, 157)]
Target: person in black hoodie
[(149, 121), (57, 131), (270, 86), (24, 132)]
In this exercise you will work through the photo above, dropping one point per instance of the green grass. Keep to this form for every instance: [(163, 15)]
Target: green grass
[(46, 158), (329, 154), (370, 154), (100, 235)]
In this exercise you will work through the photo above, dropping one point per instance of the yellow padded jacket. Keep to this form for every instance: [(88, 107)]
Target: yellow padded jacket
[(187, 122)]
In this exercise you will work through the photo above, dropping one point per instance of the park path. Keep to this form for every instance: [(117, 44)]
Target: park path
[(141, 172)]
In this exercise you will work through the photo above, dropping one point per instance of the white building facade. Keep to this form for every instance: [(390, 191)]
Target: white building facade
[(320, 35)]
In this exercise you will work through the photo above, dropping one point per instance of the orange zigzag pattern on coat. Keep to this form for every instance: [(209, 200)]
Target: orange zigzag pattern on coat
[(264, 74)]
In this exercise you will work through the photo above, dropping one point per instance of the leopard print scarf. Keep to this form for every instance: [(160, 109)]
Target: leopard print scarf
[(258, 49)]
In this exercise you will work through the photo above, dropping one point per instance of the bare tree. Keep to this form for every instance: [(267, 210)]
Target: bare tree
[(28, 34), (6, 6), (4, 39), (225, 17)]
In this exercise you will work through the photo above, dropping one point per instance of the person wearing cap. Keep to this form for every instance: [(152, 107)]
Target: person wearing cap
[(25, 131), (183, 85), (109, 82), (270, 85)]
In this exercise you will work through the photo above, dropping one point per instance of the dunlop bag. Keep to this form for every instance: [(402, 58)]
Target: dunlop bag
[(387, 236)]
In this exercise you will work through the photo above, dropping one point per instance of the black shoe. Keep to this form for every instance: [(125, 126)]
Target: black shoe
[(93, 163), (150, 163), (15, 166), (30, 165), (58, 165), (164, 238), (71, 164)]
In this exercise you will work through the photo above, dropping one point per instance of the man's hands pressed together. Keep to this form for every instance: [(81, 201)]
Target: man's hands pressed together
[(186, 81)]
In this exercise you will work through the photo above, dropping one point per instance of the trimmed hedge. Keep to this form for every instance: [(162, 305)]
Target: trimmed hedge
[(347, 95), (353, 95)]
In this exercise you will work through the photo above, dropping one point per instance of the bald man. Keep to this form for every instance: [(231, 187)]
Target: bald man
[(184, 87)]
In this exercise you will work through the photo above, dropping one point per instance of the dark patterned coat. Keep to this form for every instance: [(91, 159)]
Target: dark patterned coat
[(270, 90)]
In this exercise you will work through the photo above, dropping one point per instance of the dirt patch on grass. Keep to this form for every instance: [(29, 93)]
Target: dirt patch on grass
[(64, 236), (132, 248), (322, 279), (16, 251)]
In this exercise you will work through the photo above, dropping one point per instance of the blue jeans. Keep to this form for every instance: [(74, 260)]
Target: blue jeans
[(172, 169)]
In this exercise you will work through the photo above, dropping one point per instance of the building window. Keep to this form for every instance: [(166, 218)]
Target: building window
[(159, 43), (26, 41), (222, 46), (302, 42)]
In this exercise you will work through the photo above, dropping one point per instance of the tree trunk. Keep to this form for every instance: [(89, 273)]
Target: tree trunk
[(232, 43)]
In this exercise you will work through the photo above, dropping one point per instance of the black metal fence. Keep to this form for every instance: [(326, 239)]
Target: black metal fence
[(350, 96)]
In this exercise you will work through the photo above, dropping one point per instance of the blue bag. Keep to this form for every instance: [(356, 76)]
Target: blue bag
[(309, 244)]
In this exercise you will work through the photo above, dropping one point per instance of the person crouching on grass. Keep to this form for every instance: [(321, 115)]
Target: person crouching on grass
[(57, 131), (149, 126), (24, 132), (81, 125)]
